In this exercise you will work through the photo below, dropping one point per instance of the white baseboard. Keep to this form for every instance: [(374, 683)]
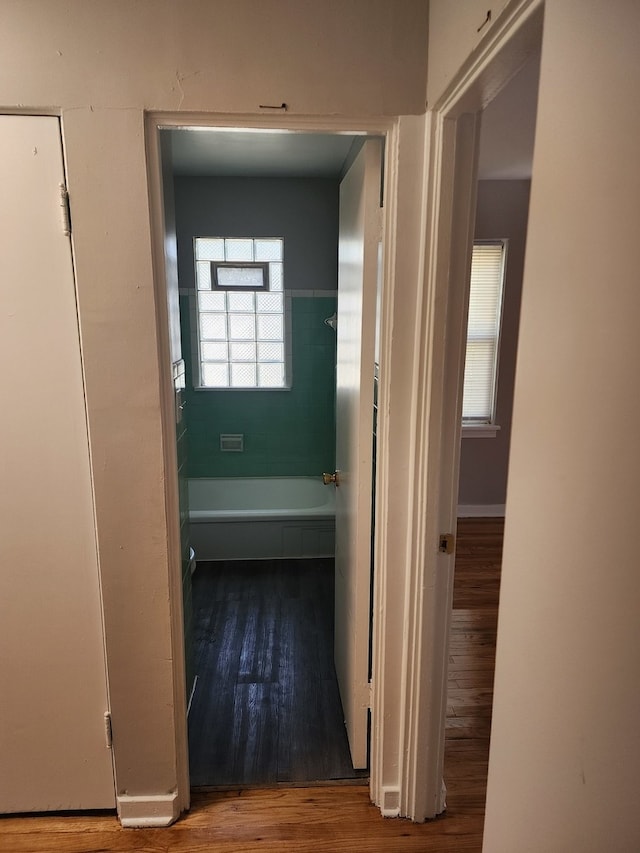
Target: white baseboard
[(147, 811), (480, 510)]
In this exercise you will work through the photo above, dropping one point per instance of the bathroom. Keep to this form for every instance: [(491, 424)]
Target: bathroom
[(241, 197)]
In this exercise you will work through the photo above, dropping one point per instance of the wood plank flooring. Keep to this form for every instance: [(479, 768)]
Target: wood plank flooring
[(266, 707), (332, 818)]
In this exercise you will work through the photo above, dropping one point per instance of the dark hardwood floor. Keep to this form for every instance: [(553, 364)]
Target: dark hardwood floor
[(266, 708), (333, 818)]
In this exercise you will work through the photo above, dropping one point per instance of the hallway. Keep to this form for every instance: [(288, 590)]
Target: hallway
[(323, 819)]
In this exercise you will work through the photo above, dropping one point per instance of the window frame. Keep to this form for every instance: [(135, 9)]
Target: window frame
[(488, 427)]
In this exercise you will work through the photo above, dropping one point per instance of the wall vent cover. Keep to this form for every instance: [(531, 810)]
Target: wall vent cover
[(232, 442)]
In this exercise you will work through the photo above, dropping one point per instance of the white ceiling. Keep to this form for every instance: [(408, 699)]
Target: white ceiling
[(508, 128), (506, 143), (258, 153)]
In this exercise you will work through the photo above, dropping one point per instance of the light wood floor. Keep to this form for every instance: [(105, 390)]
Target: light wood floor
[(333, 818)]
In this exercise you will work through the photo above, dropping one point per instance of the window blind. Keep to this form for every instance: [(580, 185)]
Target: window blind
[(483, 332)]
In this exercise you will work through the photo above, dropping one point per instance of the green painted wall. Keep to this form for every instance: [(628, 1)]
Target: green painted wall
[(286, 433)]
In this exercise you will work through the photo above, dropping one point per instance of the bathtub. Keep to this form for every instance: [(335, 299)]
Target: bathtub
[(253, 518)]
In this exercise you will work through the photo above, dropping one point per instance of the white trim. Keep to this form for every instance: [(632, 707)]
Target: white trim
[(480, 510), (387, 763), (147, 811), (182, 796), (479, 430)]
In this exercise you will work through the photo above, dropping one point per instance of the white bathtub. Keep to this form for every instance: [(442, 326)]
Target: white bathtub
[(251, 518)]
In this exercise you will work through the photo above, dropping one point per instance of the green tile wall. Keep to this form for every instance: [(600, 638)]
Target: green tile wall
[(286, 433)]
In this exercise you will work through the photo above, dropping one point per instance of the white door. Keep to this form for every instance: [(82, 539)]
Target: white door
[(357, 284), (53, 751)]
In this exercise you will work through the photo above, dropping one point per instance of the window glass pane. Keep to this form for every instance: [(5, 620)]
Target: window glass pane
[(242, 327), (215, 375), (211, 301), (483, 331), (270, 327), (240, 301), (213, 327), (214, 352), (209, 249), (203, 275), (270, 375), (240, 276), (238, 250), (242, 351), (478, 380), (243, 375), (275, 277), (268, 250), (270, 352), (269, 303)]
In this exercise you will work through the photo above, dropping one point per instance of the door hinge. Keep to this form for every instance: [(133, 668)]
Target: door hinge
[(108, 731), (65, 210), (447, 543)]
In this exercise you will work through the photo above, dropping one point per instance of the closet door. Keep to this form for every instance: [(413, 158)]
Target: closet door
[(53, 749)]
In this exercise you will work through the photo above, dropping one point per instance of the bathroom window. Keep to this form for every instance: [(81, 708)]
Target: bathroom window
[(242, 312), (483, 334)]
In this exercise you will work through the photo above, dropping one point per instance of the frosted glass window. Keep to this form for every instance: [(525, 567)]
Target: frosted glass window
[(270, 327), (240, 301), (215, 375), (241, 332), (483, 332), (209, 249), (268, 250), (203, 275), (275, 277), (269, 303), (242, 351), (214, 352), (241, 277), (211, 301), (213, 327), (242, 327), (243, 375), (271, 375), (238, 250), (270, 352)]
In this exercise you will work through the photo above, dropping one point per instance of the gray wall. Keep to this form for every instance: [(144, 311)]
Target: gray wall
[(302, 210), (501, 212)]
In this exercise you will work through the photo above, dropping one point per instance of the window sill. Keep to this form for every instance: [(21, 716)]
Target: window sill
[(480, 430)]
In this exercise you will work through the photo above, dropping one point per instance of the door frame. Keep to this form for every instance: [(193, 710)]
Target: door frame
[(387, 634), (454, 124)]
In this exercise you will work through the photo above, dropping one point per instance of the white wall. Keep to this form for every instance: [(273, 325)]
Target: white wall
[(565, 745), (100, 64)]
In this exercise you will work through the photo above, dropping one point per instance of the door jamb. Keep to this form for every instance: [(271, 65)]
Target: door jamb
[(389, 128), (450, 212)]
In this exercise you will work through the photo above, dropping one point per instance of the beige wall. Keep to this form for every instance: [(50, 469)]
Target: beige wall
[(456, 29), (501, 213), (565, 750), (101, 64)]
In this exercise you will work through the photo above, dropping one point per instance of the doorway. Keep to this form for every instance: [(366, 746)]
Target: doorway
[(451, 209), (261, 187)]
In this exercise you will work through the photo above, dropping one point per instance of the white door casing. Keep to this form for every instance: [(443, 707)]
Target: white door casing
[(357, 284), (54, 750)]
